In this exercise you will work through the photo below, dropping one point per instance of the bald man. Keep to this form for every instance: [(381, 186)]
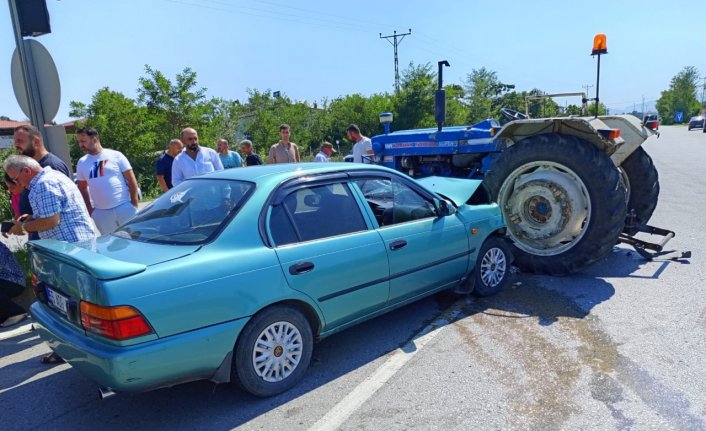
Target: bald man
[(195, 159)]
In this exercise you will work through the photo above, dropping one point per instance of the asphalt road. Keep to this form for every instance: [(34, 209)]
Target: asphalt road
[(618, 346)]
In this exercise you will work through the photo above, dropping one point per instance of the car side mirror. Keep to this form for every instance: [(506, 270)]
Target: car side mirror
[(443, 209)]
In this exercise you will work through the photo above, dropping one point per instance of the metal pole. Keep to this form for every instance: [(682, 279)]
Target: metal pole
[(598, 80), (28, 73)]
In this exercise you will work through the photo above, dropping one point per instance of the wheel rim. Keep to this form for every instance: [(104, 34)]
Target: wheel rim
[(493, 267), (277, 351), (546, 206)]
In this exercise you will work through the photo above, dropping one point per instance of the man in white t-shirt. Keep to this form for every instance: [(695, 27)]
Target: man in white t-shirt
[(106, 181), (195, 159), (362, 144)]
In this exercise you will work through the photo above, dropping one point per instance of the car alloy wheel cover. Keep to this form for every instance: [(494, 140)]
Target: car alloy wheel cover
[(493, 267), (277, 351)]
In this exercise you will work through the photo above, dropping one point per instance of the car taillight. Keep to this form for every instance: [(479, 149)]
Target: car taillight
[(652, 125), (119, 323)]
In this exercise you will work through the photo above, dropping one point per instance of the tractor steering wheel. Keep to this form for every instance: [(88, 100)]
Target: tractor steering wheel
[(512, 115)]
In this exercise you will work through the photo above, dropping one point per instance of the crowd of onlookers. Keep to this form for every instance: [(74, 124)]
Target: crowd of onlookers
[(48, 204)]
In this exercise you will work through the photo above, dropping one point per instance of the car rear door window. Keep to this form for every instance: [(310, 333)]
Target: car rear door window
[(315, 212)]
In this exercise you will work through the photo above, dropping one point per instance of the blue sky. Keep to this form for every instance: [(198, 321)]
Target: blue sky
[(314, 49)]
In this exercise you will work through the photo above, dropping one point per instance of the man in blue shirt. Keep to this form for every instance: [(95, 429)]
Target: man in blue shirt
[(163, 167), (230, 159)]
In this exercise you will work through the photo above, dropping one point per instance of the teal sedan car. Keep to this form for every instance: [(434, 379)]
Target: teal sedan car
[(232, 276)]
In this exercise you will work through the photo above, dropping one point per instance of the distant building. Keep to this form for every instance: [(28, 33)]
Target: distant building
[(7, 131)]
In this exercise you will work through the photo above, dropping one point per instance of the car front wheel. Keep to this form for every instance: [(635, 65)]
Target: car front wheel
[(273, 352), (492, 267)]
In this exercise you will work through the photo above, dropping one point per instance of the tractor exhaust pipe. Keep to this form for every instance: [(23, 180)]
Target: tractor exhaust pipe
[(104, 392), (440, 97)]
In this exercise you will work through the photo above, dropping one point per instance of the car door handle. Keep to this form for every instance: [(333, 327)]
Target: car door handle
[(396, 245), (301, 268)]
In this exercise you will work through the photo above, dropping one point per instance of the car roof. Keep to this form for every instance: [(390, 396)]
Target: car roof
[(280, 172)]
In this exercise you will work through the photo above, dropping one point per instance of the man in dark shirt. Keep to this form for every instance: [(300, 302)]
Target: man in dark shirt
[(28, 142), (251, 159), (163, 167)]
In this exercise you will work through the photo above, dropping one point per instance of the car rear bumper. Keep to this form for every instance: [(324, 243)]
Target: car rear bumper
[(189, 356)]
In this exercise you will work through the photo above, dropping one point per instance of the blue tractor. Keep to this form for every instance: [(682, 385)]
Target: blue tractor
[(569, 188)]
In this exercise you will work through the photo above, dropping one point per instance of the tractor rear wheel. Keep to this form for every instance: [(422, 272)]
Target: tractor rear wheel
[(563, 202), (642, 183)]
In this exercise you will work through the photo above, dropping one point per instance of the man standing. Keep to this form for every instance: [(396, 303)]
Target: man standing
[(251, 159), (230, 159), (362, 145), (325, 153), (195, 159), (163, 167), (58, 209), (28, 142), (106, 181), (284, 151)]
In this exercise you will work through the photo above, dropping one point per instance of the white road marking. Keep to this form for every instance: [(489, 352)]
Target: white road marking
[(15, 332), (367, 388)]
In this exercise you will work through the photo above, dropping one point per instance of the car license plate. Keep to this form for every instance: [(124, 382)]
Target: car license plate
[(57, 300)]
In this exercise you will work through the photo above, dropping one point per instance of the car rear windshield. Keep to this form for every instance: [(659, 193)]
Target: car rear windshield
[(191, 213)]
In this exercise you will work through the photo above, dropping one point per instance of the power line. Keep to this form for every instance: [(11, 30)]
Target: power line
[(394, 44)]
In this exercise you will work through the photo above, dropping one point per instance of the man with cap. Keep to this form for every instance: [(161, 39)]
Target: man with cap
[(325, 153)]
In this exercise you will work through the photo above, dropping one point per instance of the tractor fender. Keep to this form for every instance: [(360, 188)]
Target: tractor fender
[(632, 133)]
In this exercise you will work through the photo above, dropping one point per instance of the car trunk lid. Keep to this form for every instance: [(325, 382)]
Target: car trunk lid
[(67, 273)]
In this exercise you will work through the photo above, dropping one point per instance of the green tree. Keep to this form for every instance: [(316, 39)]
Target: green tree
[(176, 105), (681, 96), (485, 95), (414, 102), (356, 109)]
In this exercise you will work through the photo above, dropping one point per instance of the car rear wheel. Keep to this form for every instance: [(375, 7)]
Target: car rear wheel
[(273, 352), (492, 267)]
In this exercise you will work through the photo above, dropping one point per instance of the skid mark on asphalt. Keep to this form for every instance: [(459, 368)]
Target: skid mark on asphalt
[(518, 335)]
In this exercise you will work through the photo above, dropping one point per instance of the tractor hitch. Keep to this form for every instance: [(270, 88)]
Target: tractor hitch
[(647, 250)]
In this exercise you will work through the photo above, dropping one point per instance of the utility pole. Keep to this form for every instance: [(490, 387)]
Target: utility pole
[(586, 87), (643, 105), (394, 44)]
